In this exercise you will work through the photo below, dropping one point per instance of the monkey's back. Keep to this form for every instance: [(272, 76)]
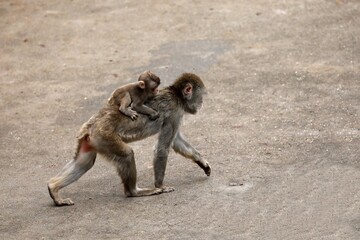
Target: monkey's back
[(109, 121)]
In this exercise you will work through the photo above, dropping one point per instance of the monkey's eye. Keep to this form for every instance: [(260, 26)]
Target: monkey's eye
[(157, 80)]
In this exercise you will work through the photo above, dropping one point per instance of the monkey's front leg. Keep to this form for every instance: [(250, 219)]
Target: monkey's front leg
[(125, 108), (160, 162), (181, 146), (161, 155)]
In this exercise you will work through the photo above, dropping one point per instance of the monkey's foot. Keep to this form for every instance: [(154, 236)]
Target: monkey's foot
[(167, 189), (57, 200), (140, 192), (63, 202), (158, 191)]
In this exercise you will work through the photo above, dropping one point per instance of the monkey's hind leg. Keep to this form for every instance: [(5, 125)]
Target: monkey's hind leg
[(124, 161), (72, 171)]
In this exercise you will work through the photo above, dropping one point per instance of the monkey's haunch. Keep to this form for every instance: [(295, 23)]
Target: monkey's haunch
[(85, 146)]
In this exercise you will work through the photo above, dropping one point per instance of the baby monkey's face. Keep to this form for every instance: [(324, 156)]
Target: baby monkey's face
[(152, 81)]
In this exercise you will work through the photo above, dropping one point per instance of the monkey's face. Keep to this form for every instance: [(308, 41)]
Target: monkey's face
[(196, 102), (151, 82), (154, 82)]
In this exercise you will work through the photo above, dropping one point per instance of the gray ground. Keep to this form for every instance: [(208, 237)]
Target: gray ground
[(280, 125)]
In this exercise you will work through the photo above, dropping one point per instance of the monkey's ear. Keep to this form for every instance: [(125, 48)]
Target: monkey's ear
[(187, 91), (142, 84)]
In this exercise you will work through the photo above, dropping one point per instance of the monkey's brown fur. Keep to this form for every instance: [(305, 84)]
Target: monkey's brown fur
[(109, 131)]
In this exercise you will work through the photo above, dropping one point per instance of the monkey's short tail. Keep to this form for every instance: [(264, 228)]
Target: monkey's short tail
[(78, 148), (86, 128), (82, 136), (83, 133)]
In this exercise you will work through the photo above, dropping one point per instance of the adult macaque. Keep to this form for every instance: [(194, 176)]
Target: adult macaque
[(109, 131), (136, 93)]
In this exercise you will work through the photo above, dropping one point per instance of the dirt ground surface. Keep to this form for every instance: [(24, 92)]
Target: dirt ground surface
[(280, 125)]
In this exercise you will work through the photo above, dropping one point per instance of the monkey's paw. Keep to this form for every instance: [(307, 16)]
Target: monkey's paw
[(207, 170), (134, 116), (167, 189)]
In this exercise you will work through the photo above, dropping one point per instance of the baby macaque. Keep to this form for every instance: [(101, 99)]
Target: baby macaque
[(135, 94)]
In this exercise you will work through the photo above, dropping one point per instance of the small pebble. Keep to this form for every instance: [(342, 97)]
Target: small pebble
[(234, 184)]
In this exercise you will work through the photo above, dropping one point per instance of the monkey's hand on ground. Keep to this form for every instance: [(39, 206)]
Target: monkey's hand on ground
[(205, 166)]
